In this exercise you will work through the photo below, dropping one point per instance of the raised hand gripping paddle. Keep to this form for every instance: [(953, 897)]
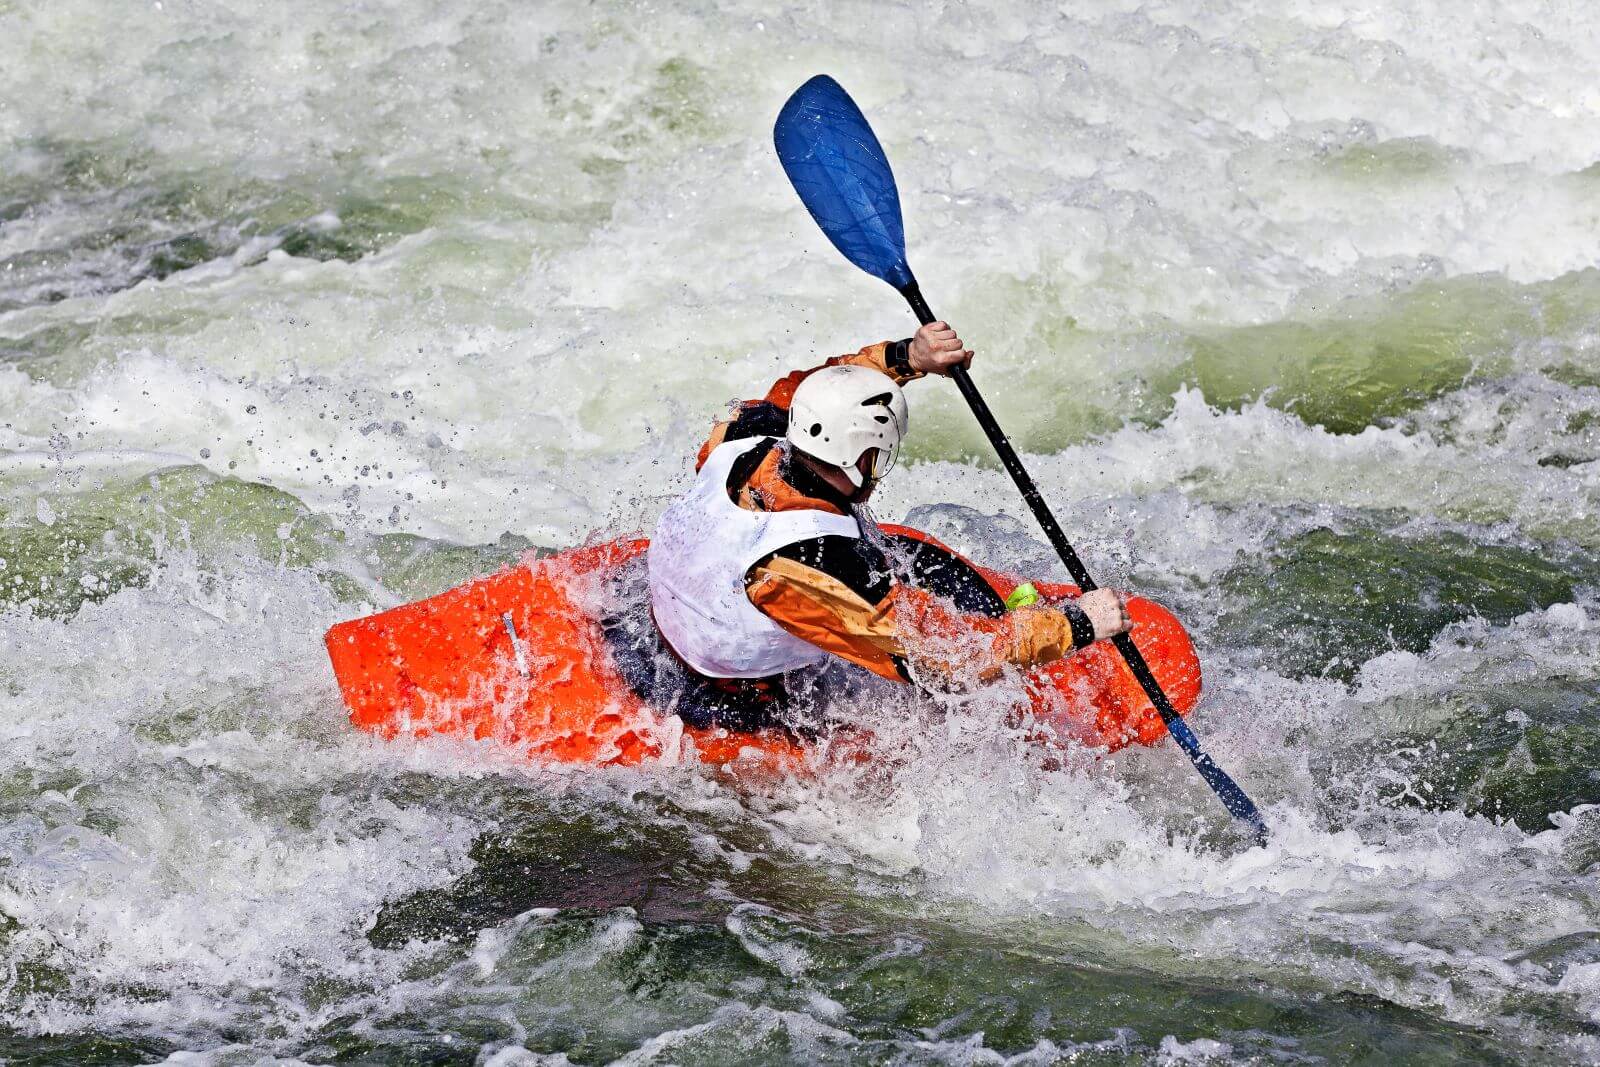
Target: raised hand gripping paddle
[(843, 178)]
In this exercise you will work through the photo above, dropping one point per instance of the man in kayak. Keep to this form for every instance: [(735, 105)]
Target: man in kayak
[(770, 564)]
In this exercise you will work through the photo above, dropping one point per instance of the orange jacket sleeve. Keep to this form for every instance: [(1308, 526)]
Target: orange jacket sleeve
[(907, 633)]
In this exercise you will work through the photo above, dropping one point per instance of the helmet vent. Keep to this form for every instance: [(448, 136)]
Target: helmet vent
[(816, 428), (881, 400)]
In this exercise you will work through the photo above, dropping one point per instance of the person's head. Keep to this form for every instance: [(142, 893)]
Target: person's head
[(849, 421)]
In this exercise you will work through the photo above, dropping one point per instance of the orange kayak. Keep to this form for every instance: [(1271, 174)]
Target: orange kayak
[(518, 657)]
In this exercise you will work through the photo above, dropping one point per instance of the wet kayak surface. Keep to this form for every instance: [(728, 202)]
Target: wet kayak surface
[(309, 313)]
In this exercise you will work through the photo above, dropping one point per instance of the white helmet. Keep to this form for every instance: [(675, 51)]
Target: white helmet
[(840, 412)]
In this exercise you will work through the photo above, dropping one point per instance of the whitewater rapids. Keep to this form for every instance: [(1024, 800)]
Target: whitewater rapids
[(312, 308)]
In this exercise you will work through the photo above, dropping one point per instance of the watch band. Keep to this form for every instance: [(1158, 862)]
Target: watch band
[(897, 357), (1082, 629)]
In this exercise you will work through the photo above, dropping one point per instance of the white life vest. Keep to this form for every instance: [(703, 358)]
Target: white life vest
[(702, 548)]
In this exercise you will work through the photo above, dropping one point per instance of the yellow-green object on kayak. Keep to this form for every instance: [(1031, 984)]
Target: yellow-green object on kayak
[(1022, 596)]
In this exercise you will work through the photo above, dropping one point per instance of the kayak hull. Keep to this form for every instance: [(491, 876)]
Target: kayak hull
[(518, 658)]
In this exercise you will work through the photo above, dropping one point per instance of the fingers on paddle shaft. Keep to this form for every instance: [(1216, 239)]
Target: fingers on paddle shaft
[(1108, 612), (938, 349)]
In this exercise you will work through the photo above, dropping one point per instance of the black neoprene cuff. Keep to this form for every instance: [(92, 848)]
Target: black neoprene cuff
[(898, 358), (1078, 619)]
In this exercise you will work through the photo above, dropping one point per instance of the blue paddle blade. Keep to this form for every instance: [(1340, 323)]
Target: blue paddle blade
[(843, 178)]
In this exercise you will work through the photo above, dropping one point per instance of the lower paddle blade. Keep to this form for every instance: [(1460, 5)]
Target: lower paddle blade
[(843, 178)]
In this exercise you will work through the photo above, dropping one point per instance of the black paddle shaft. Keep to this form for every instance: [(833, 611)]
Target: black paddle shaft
[(1233, 798)]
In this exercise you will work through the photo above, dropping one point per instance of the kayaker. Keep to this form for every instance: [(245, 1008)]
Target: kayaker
[(769, 564)]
